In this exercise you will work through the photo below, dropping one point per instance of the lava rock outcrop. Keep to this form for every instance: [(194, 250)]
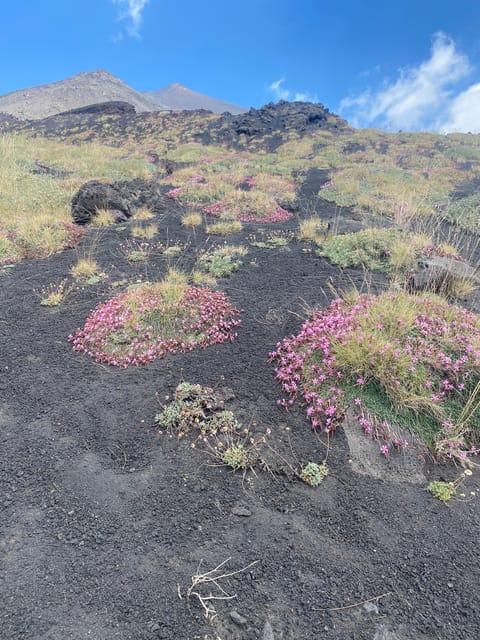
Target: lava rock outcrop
[(121, 198)]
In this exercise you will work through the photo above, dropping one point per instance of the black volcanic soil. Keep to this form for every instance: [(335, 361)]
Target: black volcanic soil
[(104, 521)]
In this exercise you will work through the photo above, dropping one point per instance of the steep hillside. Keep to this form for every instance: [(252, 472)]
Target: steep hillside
[(240, 377)]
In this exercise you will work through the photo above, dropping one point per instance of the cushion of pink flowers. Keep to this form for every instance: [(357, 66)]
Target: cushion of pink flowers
[(120, 335)]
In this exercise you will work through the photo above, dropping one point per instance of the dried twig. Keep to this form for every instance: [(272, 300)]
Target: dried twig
[(211, 578), (357, 604)]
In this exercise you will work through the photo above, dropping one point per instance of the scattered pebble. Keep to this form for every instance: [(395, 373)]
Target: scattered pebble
[(236, 618), (268, 631), (241, 511), (370, 607)]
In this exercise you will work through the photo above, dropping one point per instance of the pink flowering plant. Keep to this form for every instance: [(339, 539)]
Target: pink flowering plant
[(226, 185), (400, 362), (150, 320)]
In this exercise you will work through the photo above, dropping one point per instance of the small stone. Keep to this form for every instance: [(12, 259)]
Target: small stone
[(370, 607), (241, 511), (268, 632), (236, 618)]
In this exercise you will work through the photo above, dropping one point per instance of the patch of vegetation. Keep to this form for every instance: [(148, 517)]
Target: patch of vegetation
[(150, 320), (313, 229), (218, 265), (313, 473), (272, 240), (217, 187), (193, 219), (201, 410), (35, 206), (54, 294), (224, 227), (236, 456), (402, 362), (146, 232), (85, 268), (367, 249), (465, 213), (198, 408), (103, 218), (135, 251), (443, 491), (173, 250), (388, 250), (143, 214)]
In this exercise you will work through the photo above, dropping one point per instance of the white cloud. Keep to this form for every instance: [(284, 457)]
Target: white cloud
[(422, 97), (131, 13), (281, 93), (464, 112)]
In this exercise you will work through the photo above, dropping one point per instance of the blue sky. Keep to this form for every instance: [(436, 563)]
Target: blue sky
[(410, 64)]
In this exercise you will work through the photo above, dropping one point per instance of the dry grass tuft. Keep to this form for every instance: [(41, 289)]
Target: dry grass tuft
[(313, 229), (224, 227), (143, 214), (192, 220), (103, 218), (85, 268), (146, 232)]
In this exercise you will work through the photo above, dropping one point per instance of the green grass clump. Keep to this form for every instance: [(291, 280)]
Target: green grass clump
[(224, 227), (465, 213), (313, 229), (394, 252), (369, 249)]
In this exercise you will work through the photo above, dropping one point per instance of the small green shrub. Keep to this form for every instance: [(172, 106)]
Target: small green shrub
[(313, 473), (137, 256), (217, 265), (466, 213), (54, 294), (236, 456), (443, 491), (197, 407), (368, 249)]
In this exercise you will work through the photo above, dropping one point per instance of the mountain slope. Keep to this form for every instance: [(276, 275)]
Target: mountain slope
[(176, 96), (78, 91)]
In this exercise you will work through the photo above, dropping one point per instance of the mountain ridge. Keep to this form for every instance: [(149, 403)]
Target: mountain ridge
[(100, 86), (177, 96)]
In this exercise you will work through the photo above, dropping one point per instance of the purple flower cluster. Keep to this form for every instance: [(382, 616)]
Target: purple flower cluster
[(441, 343), (215, 208), (277, 214), (121, 333), (431, 250), (379, 430), (325, 185), (174, 194)]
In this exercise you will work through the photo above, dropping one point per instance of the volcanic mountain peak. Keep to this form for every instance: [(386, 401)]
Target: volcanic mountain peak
[(100, 86), (177, 96), (80, 90)]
